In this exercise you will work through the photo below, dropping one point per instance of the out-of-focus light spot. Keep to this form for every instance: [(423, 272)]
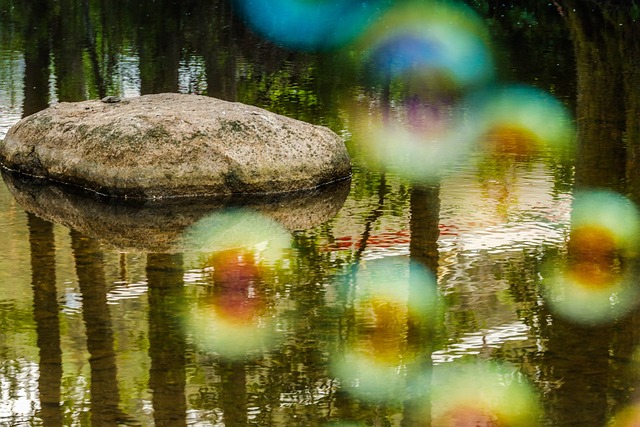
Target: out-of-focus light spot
[(418, 139), (421, 38), (427, 55), (236, 229), (231, 336), (388, 296), (235, 274), (234, 319), (394, 281), (472, 394), (595, 284), (310, 25), (606, 210), (593, 252), (519, 119), (510, 139), (628, 417)]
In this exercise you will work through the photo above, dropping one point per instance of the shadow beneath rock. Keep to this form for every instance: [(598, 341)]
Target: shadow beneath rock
[(159, 225)]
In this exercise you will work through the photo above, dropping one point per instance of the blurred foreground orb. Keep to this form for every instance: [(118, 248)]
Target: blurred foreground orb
[(425, 56), (417, 140), (473, 394), (234, 319), (310, 25), (237, 228), (519, 119), (628, 417), (389, 296), (422, 38), (596, 282), (234, 336)]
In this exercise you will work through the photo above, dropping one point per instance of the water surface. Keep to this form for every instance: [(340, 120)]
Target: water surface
[(110, 314)]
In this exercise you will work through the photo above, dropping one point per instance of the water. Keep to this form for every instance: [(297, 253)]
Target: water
[(390, 302)]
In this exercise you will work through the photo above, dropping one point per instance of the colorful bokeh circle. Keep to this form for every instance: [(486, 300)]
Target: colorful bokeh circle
[(310, 25), (389, 295), (234, 319), (476, 394), (417, 37), (595, 282), (519, 119)]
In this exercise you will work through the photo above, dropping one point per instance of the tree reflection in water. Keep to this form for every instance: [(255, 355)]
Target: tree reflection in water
[(105, 396), (167, 342), (46, 314), (421, 332)]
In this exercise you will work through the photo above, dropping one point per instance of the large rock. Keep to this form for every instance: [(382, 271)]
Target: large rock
[(168, 145)]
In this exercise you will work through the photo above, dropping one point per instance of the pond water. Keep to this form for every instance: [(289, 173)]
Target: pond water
[(498, 289)]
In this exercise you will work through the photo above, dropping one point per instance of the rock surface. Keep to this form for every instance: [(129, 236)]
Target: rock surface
[(169, 145)]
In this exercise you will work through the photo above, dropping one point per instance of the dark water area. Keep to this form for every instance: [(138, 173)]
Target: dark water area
[(498, 288)]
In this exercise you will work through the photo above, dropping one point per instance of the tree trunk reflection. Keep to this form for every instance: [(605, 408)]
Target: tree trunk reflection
[(233, 393), (608, 146), (105, 396), (167, 345), (607, 51), (423, 249), (578, 379), (45, 313), (68, 41), (425, 219), (218, 47)]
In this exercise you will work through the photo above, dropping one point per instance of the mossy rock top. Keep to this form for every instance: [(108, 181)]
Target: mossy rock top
[(174, 145)]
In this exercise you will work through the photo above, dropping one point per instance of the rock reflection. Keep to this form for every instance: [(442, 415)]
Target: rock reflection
[(159, 226)]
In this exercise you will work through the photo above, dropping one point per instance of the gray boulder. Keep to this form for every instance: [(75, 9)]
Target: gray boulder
[(169, 145)]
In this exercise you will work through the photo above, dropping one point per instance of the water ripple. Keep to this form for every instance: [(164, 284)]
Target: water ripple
[(125, 290), (481, 341)]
